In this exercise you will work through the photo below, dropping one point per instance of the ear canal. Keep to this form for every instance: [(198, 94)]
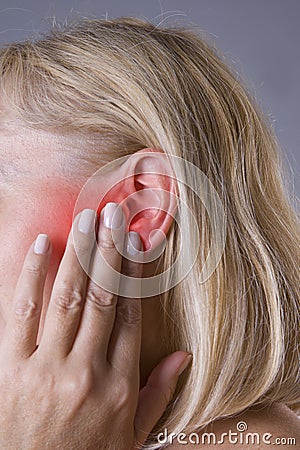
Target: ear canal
[(138, 185)]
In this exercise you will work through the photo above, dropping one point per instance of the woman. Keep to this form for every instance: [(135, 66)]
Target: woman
[(89, 95)]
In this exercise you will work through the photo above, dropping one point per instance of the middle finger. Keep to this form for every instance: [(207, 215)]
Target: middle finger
[(100, 307)]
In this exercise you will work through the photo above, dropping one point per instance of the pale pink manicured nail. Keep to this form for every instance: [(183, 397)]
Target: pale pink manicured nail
[(133, 243), (87, 221), (113, 215), (41, 245), (185, 364)]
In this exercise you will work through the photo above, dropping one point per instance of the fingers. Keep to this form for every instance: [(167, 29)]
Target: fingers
[(22, 326), (157, 393), (68, 293), (125, 343), (100, 305), (82, 316)]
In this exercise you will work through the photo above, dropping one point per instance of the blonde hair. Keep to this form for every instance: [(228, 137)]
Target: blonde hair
[(136, 85)]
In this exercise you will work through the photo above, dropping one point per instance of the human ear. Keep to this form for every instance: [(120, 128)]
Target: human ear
[(147, 192)]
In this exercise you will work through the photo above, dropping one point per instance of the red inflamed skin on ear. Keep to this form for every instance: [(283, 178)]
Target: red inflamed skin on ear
[(135, 199), (121, 193)]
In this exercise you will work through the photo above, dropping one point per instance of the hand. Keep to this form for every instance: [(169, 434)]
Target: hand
[(79, 388)]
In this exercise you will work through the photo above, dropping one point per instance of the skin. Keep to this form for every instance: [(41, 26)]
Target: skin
[(41, 199), (37, 180), (87, 328), (54, 321)]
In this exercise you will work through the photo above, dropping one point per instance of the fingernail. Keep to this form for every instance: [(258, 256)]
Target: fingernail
[(133, 243), (41, 244), (185, 364), (113, 215), (87, 221)]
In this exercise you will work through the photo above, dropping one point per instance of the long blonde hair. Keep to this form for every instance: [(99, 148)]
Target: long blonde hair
[(136, 85)]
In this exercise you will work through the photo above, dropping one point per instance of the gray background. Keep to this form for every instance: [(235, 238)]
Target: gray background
[(261, 37)]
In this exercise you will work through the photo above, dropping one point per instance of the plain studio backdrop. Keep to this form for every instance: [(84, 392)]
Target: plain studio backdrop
[(260, 38)]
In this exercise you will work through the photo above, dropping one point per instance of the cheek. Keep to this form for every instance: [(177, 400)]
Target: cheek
[(18, 229), (54, 217), (49, 212), (24, 215)]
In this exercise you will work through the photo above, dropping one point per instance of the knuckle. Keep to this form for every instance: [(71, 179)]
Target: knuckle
[(106, 243), (80, 384), (43, 386), (68, 299), (49, 379), (123, 395), (99, 298), (129, 312), (35, 270), (26, 308)]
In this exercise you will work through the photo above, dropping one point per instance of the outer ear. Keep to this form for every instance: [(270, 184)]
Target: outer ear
[(154, 203), (147, 191)]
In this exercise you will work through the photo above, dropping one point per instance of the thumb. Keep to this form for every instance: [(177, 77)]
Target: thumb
[(159, 390)]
